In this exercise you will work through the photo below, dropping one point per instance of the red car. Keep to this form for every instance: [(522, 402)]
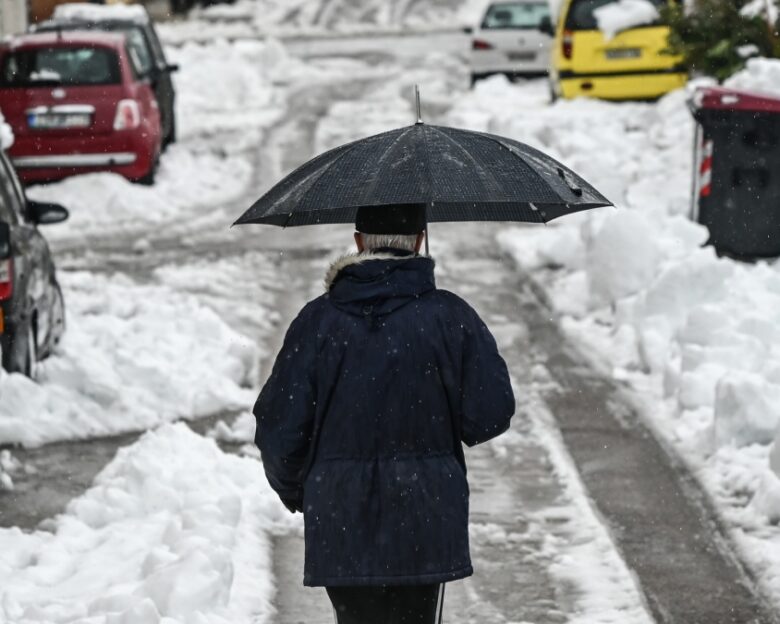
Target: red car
[(78, 103)]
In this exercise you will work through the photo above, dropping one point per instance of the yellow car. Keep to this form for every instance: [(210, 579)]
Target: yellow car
[(628, 66)]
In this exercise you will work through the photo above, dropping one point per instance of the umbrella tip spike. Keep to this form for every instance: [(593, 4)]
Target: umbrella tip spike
[(417, 103)]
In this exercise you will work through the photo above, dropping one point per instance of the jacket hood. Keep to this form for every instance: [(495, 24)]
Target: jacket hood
[(373, 284)]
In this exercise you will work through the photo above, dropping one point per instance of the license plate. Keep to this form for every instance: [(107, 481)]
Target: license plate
[(624, 53), (48, 121), (521, 56)]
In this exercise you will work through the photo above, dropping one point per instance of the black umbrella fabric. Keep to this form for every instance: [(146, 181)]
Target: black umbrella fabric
[(460, 175)]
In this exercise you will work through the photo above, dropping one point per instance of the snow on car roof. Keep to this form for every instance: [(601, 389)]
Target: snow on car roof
[(75, 37), (82, 11)]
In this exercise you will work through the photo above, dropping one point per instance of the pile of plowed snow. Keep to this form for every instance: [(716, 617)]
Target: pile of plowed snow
[(697, 334), (173, 530), (133, 357)]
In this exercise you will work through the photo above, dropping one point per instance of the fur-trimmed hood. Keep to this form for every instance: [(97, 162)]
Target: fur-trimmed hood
[(350, 259), (379, 282)]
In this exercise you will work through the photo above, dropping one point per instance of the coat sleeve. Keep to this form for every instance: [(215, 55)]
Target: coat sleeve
[(285, 411), (487, 400)]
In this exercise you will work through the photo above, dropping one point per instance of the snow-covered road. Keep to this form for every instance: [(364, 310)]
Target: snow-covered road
[(172, 315)]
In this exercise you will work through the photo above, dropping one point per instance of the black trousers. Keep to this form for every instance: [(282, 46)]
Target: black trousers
[(403, 604)]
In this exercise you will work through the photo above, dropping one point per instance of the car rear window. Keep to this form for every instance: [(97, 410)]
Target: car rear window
[(71, 66), (521, 15), (580, 16)]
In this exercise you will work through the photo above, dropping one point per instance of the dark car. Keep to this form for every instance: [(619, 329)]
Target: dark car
[(143, 43), (32, 311)]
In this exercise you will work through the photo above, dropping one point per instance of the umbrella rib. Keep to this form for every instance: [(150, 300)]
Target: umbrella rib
[(318, 176), (516, 155), (430, 178), (468, 155), (386, 154)]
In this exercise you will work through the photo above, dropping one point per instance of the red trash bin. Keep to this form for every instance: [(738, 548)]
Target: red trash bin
[(736, 191)]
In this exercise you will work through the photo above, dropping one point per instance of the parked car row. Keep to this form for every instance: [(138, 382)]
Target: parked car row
[(89, 90), (519, 39)]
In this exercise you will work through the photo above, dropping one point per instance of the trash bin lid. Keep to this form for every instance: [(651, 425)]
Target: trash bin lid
[(732, 99)]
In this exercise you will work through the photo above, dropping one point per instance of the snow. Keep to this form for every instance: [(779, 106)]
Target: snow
[(695, 335), (766, 9), (760, 74), (84, 11), (241, 431), (133, 357), (624, 14), (745, 409), (8, 466), (6, 134), (290, 18), (173, 530)]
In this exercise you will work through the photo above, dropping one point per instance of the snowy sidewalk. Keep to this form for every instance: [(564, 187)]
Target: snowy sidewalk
[(541, 553)]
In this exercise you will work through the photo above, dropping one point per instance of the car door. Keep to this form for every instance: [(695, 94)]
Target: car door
[(150, 62), (166, 94), (34, 266)]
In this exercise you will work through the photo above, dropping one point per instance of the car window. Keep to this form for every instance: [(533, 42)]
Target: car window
[(154, 40), (581, 17), (66, 65), (138, 49), (520, 15)]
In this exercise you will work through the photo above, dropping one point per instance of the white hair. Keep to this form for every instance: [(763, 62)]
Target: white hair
[(406, 242)]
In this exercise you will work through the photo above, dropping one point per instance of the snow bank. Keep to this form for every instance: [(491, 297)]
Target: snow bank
[(133, 357), (284, 18), (694, 333), (8, 466), (173, 530), (760, 74), (227, 87), (624, 14), (241, 431)]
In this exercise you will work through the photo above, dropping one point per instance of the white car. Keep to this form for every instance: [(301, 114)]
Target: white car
[(513, 39)]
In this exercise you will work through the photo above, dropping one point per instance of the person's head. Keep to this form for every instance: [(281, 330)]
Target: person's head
[(397, 227)]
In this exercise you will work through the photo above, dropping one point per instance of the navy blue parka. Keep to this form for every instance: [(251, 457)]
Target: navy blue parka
[(361, 423)]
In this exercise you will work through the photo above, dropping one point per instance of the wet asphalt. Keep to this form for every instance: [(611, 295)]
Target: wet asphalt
[(660, 521)]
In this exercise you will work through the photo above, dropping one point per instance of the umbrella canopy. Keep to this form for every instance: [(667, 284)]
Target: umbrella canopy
[(460, 175)]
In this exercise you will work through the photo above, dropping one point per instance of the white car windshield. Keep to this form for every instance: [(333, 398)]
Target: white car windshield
[(520, 15)]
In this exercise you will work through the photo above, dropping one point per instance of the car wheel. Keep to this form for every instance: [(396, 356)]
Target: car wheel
[(474, 78), (553, 93), (171, 138), (31, 359), (18, 343), (57, 316)]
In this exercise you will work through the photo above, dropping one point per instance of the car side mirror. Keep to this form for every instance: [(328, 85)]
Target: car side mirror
[(468, 30), (173, 67), (43, 213), (546, 26), (5, 240)]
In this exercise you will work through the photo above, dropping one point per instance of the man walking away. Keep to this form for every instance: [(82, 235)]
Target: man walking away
[(378, 383)]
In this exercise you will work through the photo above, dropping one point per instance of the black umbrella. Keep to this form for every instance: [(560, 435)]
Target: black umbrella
[(458, 174)]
